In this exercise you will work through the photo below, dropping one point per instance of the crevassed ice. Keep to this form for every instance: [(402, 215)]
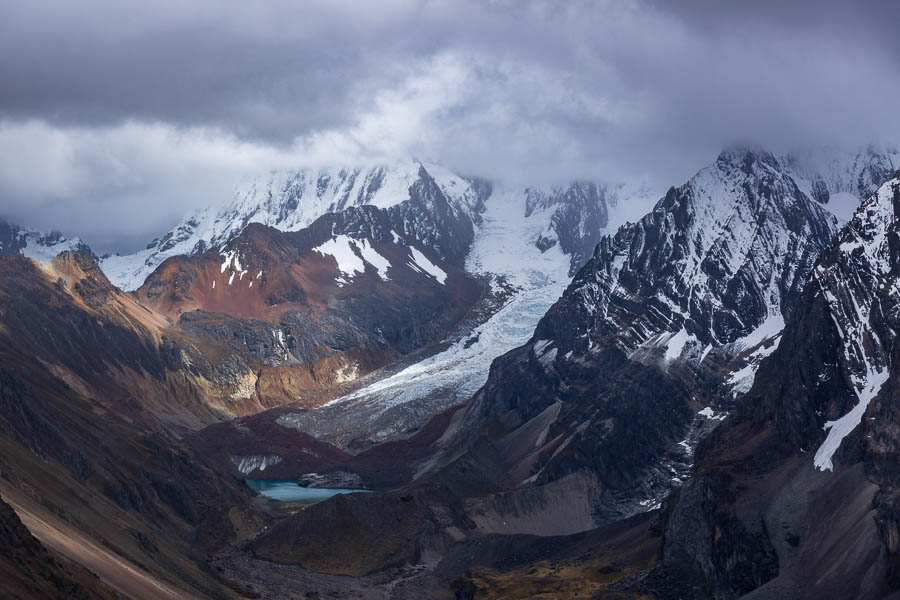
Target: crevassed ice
[(248, 464)]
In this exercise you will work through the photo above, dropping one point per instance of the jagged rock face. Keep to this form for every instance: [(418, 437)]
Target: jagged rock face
[(817, 433), (710, 264), (433, 218), (579, 218), (716, 256), (840, 345)]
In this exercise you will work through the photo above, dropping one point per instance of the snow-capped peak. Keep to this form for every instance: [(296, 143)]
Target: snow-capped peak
[(840, 178), (290, 201), (40, 245)]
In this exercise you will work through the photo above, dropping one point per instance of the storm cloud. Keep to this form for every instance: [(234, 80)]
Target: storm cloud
[(117, 117)]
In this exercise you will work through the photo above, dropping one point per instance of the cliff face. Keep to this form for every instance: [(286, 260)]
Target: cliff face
[(816, 436)]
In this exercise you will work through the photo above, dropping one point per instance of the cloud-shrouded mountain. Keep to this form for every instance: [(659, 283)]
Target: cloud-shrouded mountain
[(40, 245), (290, 201), (576, 214), (839, 178)]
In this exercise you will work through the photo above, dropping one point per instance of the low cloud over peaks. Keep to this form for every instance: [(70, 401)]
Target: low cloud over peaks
[(136, 111)]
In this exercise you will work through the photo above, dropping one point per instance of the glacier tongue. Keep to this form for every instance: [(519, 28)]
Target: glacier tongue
[(503, 247), (504, 250)]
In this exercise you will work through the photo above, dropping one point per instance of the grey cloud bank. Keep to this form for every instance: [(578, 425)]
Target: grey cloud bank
[(117, 117)]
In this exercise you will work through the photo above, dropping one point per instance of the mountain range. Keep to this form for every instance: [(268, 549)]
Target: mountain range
[(597, 389)]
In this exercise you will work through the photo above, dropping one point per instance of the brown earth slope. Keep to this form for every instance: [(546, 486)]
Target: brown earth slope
[(28, 570), (89, 403)]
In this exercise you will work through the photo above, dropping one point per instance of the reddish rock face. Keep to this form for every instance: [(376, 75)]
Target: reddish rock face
[(274, 317)]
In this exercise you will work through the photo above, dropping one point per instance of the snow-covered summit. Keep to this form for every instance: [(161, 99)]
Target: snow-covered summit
[(40, 245), (717, 256), (839, 178), (289, 201), (576, 215)]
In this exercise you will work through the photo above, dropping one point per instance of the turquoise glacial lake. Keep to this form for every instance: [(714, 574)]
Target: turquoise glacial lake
[(287, 490)]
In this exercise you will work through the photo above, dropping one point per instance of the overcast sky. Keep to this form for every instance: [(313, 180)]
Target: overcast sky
[(117, 117)]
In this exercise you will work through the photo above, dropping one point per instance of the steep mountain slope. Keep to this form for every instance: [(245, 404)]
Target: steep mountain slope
[(274, 317), (649, 330), (111, 349), (817, 437), (28, 570), (90, 404)]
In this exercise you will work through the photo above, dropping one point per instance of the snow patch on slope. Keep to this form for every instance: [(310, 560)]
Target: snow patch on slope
[(676, 343), (351, 255), (769, 328), (849, 286), (841, 428), (421, 263)]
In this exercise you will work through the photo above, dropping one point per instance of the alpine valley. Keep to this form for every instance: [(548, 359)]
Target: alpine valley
[(593, 390)]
